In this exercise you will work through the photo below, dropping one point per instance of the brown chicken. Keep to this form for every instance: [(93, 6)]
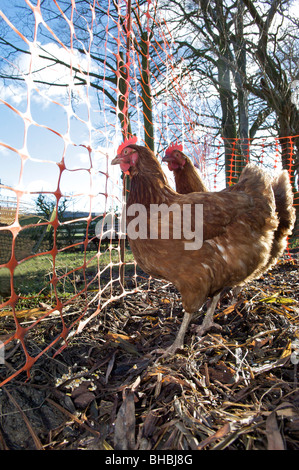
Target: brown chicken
[(237, 231), (188, 180)]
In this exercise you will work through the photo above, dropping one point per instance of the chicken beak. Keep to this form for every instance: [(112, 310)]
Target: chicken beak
[(167, 158), (117, 160)]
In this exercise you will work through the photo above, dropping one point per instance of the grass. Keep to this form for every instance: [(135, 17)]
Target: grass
[(33, 276), (294, 243)]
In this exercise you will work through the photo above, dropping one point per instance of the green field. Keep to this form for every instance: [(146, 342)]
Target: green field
[(34, 276)]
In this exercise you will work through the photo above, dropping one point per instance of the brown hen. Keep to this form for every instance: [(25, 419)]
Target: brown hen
[(188, 180), (238, 230)]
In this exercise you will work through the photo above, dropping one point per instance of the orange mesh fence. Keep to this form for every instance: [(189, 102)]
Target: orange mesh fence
[(75, 81)]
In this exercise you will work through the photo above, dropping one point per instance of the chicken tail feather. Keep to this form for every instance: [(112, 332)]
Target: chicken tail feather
[(284, 199)]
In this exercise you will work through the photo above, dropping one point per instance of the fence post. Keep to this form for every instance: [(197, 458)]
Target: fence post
[(125, 133)]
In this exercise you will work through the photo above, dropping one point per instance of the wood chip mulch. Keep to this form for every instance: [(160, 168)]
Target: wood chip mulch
[(109, 389)]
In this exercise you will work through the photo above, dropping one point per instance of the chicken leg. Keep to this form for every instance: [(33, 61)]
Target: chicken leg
[(203, 328), (208, 323), (179, 340)]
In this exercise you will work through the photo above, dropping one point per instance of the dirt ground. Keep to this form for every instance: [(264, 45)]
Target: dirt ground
[(235, 388)]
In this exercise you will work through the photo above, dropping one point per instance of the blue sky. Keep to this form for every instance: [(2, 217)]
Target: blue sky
[(43, 124), (39, 111)]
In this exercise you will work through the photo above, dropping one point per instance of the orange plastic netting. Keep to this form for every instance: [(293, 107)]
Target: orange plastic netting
[(81, 80)]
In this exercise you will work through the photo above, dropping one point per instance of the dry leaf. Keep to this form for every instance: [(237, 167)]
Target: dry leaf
[(222, 432), (105, 408), (286, 410), (287, 351), (275, 441), (276, 299), (125, 342), (136, 384), (81, 396), (110, 367), (229, 309), (26, 313), (124, 435), (221, 372), (119, 337)]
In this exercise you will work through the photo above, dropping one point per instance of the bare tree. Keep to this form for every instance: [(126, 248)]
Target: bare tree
[(239, 48), (276, 77), (111, 70), (214, 51)]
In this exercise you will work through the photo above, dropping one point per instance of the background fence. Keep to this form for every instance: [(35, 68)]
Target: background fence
[(77, 81)]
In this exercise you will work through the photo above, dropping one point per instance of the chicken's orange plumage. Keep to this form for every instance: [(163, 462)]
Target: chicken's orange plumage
[(238, 230)]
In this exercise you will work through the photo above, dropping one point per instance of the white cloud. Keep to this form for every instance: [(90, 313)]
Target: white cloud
[(53, 80), (4, 150), (38, 186), (78, 179)]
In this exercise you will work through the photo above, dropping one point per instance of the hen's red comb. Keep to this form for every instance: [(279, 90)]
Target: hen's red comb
[(173, 147), (126, 143)]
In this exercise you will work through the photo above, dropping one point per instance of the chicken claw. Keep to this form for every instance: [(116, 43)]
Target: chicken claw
[(208, 322), (202, 329), (179, 340)]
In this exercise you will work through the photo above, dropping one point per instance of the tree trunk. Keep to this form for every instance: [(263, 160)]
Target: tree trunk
[(290, 160), (228, 123), (146, 95), (276, 91), (242, 93)]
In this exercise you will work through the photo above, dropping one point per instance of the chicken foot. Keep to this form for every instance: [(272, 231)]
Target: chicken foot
[(179, 340), (208, 323), (205, 326)]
